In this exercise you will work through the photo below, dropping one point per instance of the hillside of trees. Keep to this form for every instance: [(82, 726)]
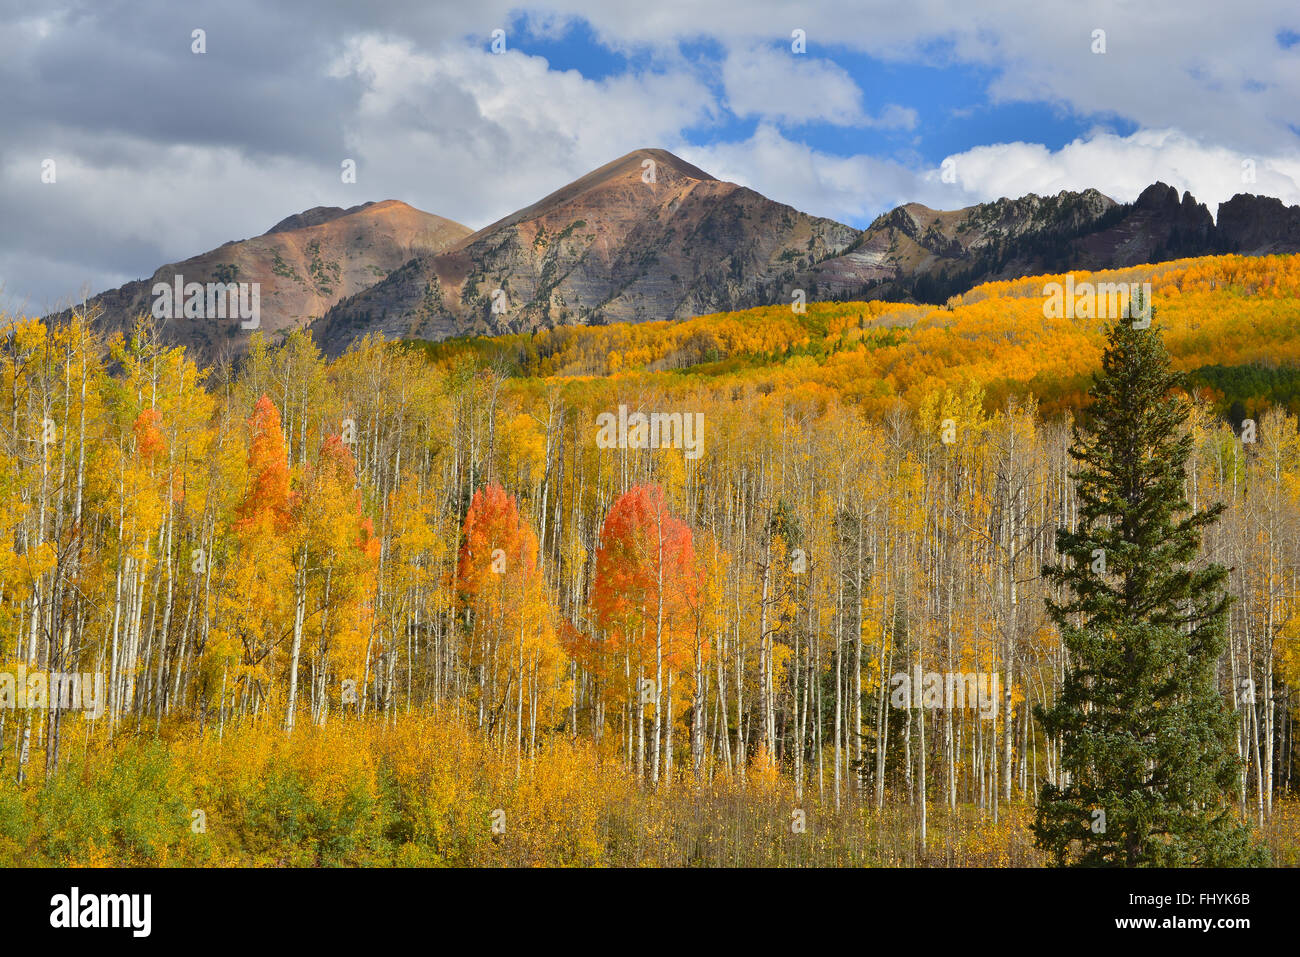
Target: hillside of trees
[(402, 607)]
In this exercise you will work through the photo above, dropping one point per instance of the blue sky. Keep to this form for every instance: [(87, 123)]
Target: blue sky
[(163, 152), (952, 96)]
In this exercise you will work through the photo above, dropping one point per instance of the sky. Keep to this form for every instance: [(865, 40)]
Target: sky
[(123, 146)]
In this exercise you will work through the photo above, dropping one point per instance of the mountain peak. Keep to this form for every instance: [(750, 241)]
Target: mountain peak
[(651, 236), (645, 236), (312, 217), (306, 263), (635, 162), (319, 215), (631, 168), (1156, 196), (634, 166)]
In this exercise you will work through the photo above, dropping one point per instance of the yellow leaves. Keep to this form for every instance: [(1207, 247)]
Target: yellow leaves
[(953, 417), (96, 857), (412, 520), (33, 564), (523, 449), (781, 656), (1045, 639), (1287, 648), (872, 612), (763, 771), (840, 412)]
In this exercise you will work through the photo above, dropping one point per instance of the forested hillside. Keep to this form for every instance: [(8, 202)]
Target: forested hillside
[(407, 607)]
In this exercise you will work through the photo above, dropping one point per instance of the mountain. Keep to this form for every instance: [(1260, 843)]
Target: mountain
[(916, 253), (1260, 225), (647, 236), (610, 247), (304, 264)]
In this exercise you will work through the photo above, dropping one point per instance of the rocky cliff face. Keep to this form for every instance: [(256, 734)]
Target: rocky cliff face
[(913, 242), (304, 265), (1260, 225), (647, 236), (1158, 226), (918, 253)]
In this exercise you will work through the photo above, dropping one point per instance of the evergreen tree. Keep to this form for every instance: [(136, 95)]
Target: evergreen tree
[(1148, 766)]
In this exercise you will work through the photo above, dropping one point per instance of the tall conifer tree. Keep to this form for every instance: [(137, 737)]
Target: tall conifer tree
[(1149, 769)]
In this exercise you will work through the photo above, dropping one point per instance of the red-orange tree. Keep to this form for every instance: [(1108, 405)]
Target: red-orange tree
[(643, 599), (255, 603), (503, 589)]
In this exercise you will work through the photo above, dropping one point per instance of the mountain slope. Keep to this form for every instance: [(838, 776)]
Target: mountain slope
[(304, 263), (647, 236), (1260, 225), (918, 253), (1228, 320)]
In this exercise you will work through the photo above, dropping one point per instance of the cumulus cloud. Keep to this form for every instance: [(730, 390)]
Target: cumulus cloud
[(776, 85), (119, 207), (460, 132), (1119, 166), (1213, 70), (474, 135), (790, 87), (855, 189), (851, 189), (163, 153)]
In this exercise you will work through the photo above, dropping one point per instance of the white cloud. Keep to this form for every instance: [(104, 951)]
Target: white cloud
[(851, 189), (473, 135), (464, 134), (779, 86), (789, 87), (895, 117), (1119, 166), (855, 189), (1211, 69), (146, 208)]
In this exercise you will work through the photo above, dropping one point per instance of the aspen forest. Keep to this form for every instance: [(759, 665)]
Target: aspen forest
[(401, 606)]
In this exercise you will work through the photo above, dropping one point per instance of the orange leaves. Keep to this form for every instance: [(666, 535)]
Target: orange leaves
[(304, 539), (497, 546), (337, 458), (268, 498), (150, 443), (512, 613), (497, 566), (337, 513), (646, 573)]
